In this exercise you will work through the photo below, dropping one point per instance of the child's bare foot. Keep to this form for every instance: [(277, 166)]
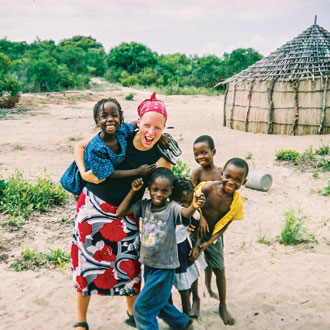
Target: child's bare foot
[(226, 317), (195, 309), (213, 294)]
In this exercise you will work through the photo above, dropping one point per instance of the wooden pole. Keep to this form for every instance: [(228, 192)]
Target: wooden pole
[(224, 105), (232, 107), (296, 109), (271, 106), (248, 107), (324, 105)]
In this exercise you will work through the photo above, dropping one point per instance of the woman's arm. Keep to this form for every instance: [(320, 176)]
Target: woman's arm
[(162, 162), (125, 207)]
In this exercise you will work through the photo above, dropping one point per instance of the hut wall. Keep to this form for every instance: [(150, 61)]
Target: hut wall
[(297, 107)]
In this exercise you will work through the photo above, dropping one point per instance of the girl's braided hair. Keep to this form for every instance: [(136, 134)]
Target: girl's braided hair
[(181, 185), (99, 106)]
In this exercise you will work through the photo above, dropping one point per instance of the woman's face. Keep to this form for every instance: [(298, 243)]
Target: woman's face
[(151, 126)]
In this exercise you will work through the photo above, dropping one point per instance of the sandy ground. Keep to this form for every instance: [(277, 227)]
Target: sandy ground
[(268, 286)]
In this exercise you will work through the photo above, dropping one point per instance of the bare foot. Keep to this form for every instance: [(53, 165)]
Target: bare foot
[(195, 308), (226, 317), (213, 294)]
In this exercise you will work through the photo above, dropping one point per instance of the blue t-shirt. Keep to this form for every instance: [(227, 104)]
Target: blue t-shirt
[(99, 158)]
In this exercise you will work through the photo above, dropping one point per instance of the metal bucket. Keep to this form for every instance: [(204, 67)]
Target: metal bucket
[(259, 180)]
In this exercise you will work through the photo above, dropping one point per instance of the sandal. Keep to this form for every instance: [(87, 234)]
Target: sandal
[(130, 321), (81, 324), (172, 151)]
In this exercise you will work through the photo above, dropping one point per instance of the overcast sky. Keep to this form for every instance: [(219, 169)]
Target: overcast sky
[(169, 26)]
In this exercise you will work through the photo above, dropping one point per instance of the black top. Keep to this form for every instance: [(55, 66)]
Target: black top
[(113, 191)]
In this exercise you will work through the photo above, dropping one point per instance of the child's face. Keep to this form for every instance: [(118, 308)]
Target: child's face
[(184, 198), (203, 153), (233, 178), (160, 190), (109, 118)]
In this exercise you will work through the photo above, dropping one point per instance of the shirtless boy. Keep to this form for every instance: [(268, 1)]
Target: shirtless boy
[(220, 197), (204, 151)]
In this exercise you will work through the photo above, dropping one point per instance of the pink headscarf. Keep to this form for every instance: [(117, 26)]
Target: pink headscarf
[(152, 104)]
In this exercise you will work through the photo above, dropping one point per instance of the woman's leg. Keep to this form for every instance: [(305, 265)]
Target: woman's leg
[(130, 300), (82, 306)]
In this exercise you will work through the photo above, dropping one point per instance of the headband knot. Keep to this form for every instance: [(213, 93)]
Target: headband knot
[(152, 104)]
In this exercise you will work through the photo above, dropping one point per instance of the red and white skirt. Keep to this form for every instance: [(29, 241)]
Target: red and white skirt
[(105, 249)]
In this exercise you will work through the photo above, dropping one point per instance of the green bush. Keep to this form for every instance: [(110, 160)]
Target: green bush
[(129, 97), (293, 231), (287, 155), (21, 198), (181, 170), (327, 190)]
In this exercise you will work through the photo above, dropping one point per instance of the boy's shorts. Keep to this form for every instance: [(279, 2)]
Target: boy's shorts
[(214, 253)]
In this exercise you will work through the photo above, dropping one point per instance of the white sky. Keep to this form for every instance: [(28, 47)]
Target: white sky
[(169, 26)]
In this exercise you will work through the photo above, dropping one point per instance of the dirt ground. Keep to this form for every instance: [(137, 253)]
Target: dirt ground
[(268, 286)]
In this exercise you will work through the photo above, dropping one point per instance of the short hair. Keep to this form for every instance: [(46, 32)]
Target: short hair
[(162, 172), (100, 106), (180, 185), (239, 162), (207, 139)]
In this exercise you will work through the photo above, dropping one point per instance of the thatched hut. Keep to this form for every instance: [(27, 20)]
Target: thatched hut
[(286, 92)]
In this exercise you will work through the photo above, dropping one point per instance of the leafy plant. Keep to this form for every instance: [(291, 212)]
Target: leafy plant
[(288, 155), (21, 198), (293, 231), (30, 259), (129, 97), (262, 239), (181, 170), (327, 190)]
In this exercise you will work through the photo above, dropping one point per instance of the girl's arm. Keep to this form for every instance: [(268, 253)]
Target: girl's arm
[(195, 252), (142, 170), (198, 202), (125, 207)]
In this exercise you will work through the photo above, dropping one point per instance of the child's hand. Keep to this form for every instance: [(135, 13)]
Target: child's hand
[(164, 141), (191, 228), (194, 254), (203, 227), (145, 169), (89, 176), (198, 201), (137, 184), (204, 246)]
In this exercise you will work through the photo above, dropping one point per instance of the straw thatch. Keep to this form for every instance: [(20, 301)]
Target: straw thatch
[(286, 92)]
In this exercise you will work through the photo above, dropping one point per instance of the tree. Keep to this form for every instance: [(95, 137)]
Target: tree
[(9, 87)]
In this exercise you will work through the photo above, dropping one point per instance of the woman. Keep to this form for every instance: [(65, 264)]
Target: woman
[(105, 248)]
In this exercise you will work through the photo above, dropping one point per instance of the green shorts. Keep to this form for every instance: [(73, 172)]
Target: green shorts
[(214, 253)]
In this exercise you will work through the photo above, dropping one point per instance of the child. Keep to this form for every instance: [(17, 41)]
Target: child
[(187, 274), (158, 219), (106, 150), (204, 151), (222, 202)]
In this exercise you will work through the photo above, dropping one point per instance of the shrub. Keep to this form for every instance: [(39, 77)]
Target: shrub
[(21, 198), (181, 170), (129, 97), (293, 231), (288, 155), (327, 190)]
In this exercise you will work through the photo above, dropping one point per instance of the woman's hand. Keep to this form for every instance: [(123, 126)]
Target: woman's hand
[(137, 184), (89, 176), (145, 169), (203, 227)]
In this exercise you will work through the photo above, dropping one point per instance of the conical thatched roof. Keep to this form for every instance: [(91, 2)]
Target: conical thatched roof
[(305, 57)]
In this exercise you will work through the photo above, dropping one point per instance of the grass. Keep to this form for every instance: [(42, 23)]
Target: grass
[(326, 191), (317, 159), (293, 232), (262, 239), (75, 138), (20, 198), (31, 260)]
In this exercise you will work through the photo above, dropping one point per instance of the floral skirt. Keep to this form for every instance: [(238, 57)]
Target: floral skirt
[(105, 249)]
